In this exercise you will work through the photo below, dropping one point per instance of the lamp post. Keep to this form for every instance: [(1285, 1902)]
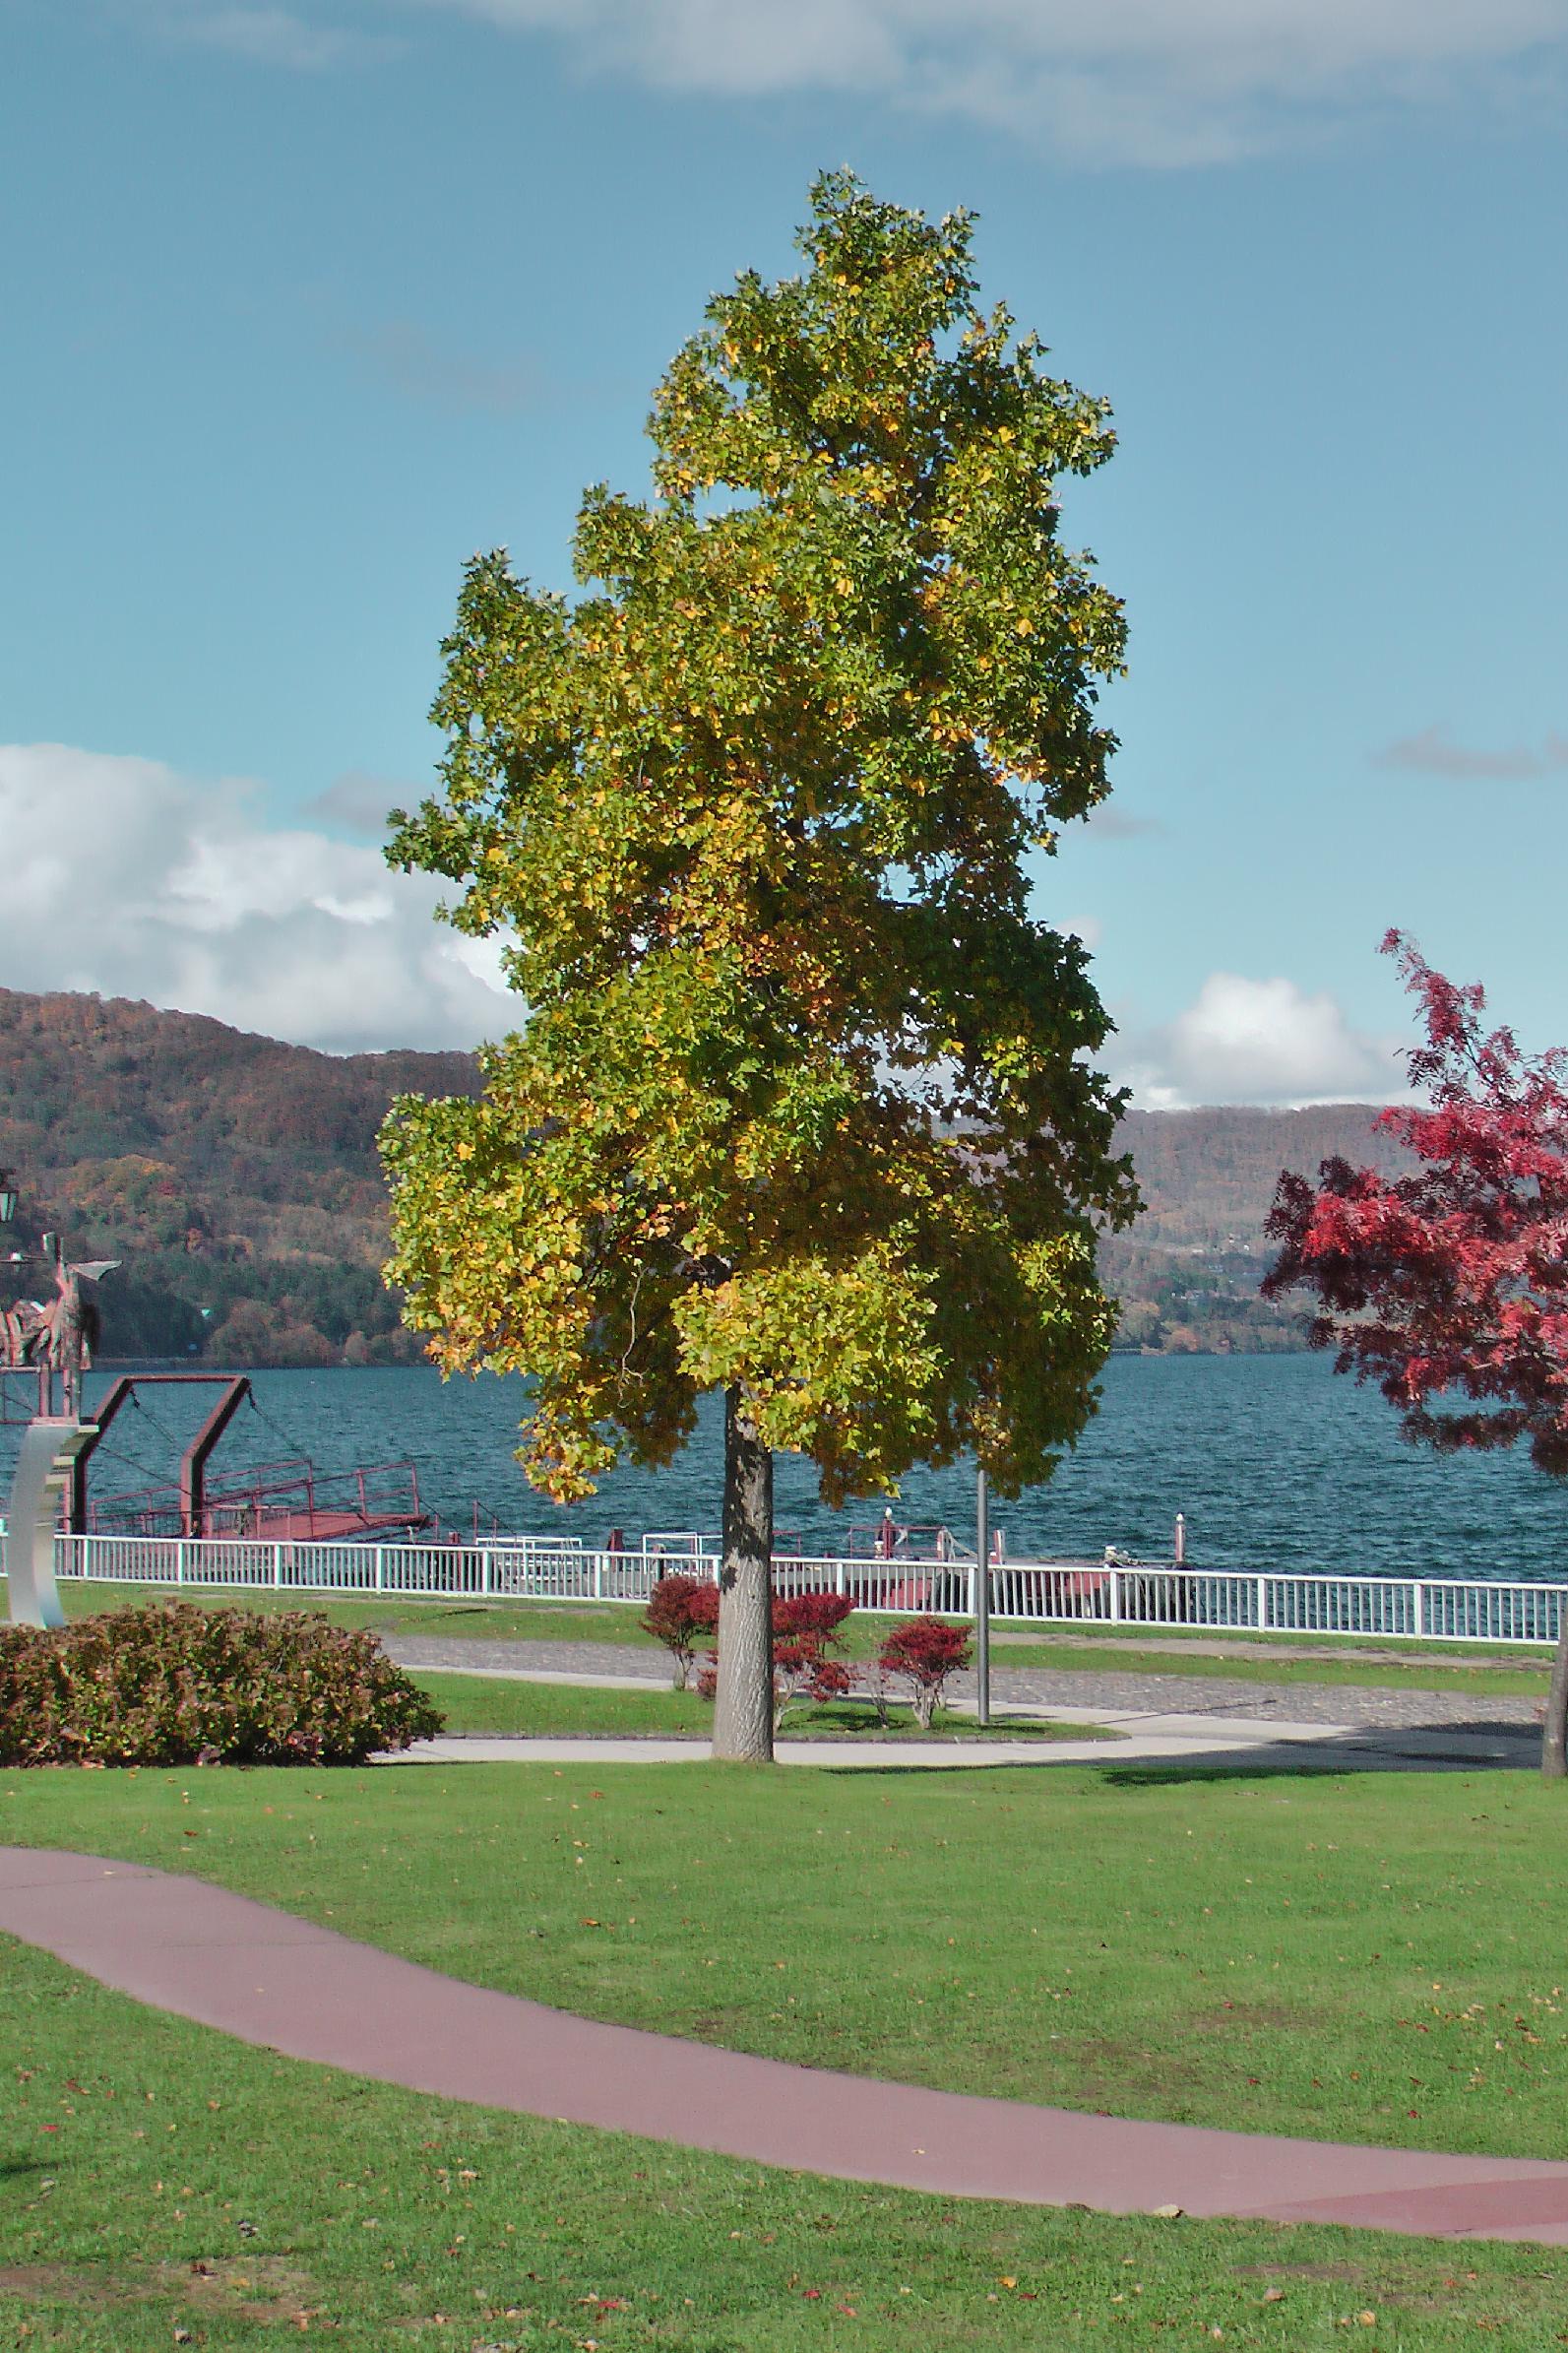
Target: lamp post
[(982, 1598)]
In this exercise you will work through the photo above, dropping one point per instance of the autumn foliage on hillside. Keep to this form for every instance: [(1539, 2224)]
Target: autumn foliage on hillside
[(240, 1174), (229, 1173)]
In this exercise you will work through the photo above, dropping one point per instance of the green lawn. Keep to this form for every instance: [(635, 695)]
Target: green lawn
[(156, 2179), (385, 1614), (1373, 1957), (1474, 1678), (1478, 1671), (486, 1703)]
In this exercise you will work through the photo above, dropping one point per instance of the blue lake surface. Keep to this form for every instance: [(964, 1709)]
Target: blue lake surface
[(1275, 1463)]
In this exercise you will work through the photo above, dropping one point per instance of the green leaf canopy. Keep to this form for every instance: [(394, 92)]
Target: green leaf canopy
[(801, 1105)]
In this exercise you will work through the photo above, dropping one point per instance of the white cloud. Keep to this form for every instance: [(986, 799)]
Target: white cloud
[(1155, 81), (359, 803), (125, 877), (1086, 927), (1244, 1040), (1434, 752)]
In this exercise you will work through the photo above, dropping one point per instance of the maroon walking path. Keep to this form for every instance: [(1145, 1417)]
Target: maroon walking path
[(294, 1987)]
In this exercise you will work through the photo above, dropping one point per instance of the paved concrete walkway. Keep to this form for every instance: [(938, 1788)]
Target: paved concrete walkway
[(1144, 1739), (292, 1985)]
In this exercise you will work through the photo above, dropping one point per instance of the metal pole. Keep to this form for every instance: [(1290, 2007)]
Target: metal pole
[(982, 1598)]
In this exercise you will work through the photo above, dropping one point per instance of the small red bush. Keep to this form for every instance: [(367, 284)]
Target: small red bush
[(925, 1654), (173, 1684), (801, 1671), (682, 1611), (810, 1617), (804, 1627)]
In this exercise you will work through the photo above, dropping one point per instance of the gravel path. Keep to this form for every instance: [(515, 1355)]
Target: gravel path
[(1447, 1662), (1044, 1688), (199, 1950)]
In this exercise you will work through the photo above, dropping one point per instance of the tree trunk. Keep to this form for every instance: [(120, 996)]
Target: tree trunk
[(1554, 1736), (743, 1703)]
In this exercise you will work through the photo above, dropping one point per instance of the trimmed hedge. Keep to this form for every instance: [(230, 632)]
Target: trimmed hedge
[(173, 1684)]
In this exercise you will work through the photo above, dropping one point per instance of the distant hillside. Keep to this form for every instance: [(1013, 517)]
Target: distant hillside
[(237, 1178), (1187, 1274)]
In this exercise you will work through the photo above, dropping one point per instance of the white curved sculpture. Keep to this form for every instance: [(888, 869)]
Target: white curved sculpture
[(43, 1466)]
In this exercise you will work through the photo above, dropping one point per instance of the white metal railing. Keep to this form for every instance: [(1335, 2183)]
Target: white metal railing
[(1055, 1592)]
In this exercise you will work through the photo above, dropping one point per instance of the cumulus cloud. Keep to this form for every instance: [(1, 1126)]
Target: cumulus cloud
[(1162, 83), (126, 878), (1154, 82), (359, 803), (1434, 752), (1244, 1040), (1086, 927)]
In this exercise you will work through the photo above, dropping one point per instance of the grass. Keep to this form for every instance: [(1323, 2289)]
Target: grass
[(481, 1704), (1372, 1958), (1478, 1671), (385, 1614), (1527, 1680), (158, 2177)]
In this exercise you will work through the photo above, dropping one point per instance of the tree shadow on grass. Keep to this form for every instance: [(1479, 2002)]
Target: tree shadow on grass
[(1298, 1762), (1281, 1760)]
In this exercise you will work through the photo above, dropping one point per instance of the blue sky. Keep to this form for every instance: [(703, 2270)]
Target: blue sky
[(306, 303)]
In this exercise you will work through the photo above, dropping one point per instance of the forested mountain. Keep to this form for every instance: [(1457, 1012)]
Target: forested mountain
[(235, 1177), (237, 1180), (1187, 1273)]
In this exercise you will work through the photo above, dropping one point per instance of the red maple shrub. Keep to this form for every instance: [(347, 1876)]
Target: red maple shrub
[(1451, 1283), (805, 1625), (810, 1617), (681, 1611), (803, 1671), (924, 1654), (173, 1685)]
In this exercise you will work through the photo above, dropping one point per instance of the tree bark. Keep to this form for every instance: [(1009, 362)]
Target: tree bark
[(743, 1701), (1554, 1734)]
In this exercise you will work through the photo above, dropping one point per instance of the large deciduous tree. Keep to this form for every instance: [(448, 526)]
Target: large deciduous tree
[(801, 1106), (1449, 1285)]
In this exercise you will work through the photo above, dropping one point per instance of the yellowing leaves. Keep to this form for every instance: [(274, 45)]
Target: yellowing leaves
[(751, 811)]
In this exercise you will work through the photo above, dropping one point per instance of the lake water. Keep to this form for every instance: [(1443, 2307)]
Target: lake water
[(1275, 1463)]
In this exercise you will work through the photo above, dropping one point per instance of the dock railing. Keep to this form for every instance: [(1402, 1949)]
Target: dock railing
[(1152, 1594)]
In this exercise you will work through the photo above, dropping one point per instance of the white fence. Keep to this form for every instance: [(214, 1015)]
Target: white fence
[(1139, 1594)]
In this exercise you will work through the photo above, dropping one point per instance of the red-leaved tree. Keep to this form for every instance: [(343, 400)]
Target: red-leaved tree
[(1449, 1285), (805, 1627), (924, 1654), (681, 1611)]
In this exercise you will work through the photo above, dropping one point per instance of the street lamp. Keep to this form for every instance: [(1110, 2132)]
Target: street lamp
[(982, 1598)]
